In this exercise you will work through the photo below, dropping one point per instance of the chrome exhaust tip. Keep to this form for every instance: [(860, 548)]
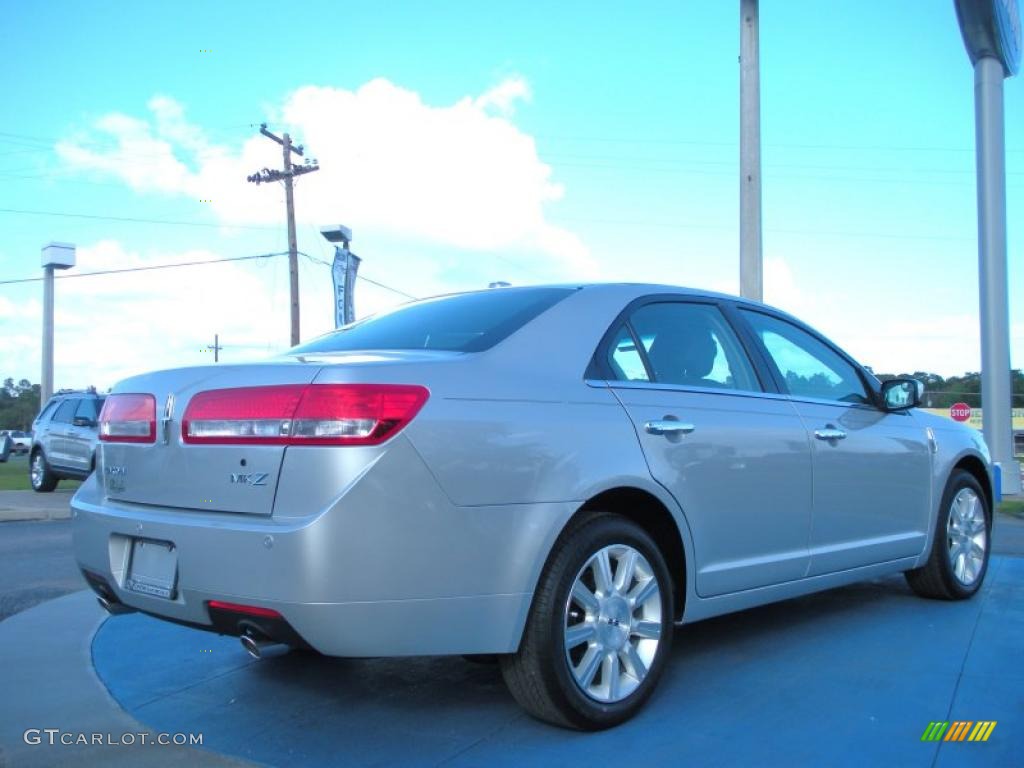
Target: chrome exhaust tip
[(113, 608), (254, 645)]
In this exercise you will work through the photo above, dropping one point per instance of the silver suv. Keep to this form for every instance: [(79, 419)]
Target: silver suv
[(64, 439)]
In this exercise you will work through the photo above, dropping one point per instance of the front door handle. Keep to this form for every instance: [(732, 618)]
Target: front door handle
[(668, 427), (829, 433)]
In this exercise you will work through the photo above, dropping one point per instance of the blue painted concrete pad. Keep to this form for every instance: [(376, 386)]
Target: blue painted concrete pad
[(847, 677)]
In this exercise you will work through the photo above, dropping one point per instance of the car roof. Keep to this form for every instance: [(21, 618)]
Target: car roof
[(628, 291)]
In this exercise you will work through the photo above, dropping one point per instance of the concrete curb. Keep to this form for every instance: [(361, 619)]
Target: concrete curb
[(17, 506)]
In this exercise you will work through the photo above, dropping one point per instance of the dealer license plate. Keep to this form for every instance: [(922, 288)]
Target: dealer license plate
[(153, 569)]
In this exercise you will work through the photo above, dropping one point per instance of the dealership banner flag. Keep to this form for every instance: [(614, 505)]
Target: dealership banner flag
[(346, 265)]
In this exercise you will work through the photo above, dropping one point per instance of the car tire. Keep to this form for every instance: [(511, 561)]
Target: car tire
[(961, 545), (42, 477), (593, 650)]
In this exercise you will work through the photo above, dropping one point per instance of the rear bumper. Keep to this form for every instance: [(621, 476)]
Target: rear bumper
[(390, 568)]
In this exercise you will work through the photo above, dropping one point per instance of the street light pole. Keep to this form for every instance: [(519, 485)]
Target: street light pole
[(46, 384), (55, 256), (992, 35), (994, 299), (751, 270)]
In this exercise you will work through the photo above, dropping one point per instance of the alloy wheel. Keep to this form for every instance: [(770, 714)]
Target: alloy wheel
[(36, 473), (967, 536), (613, 623)]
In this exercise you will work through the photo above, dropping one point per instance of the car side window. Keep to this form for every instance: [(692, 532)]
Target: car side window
[(86, 409), (691, 344), (43, 414), (624, 357), (808, 366), (65, 413)]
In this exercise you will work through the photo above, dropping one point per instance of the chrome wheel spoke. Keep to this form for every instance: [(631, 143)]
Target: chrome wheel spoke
[(578, 634), (603, 573), (625, 571), (585, 597), (955, 550), (610, 675), (635, 665), (970, 573), (971, 508), (644, 591), (648, 630), (588, 666), (960, 567)]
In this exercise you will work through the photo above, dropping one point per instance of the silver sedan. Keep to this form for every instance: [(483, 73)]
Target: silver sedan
[(557, 476)]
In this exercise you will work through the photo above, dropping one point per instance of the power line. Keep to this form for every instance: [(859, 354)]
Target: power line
[(315, 260), (131, 220), (776, 230), (96, 273), (386, 287), (735, 144), (145, 269)]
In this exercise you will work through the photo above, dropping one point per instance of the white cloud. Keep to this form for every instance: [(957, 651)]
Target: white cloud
[(503, 97), (7, 308), (460, 175)]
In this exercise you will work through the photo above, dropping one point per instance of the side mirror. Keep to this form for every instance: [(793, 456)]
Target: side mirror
[(81, 421), (901, 394)]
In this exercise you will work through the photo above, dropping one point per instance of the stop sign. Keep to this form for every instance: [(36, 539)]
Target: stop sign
[(960, 411)]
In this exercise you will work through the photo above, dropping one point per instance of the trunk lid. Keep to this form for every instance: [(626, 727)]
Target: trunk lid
[(221, 478)]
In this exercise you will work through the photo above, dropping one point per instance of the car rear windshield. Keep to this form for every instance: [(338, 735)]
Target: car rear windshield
[(465, 322)]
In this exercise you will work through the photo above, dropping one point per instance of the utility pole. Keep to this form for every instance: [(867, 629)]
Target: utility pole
[(288, 176), (751, 270), (216, 348)]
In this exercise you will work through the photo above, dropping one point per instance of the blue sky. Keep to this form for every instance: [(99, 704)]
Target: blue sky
[(469, 142)]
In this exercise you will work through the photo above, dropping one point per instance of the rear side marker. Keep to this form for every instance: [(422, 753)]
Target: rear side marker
[(249, 610)]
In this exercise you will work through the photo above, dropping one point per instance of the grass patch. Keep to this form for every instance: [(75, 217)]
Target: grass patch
[(14, 476), (1014, 507)]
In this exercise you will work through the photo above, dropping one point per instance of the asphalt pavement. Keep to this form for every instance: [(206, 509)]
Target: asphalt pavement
[(36, 564)]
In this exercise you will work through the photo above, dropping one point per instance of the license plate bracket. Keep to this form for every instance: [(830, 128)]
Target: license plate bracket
[(153, 569)]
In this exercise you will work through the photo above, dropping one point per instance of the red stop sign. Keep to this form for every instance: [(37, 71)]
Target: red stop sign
[(960, 411)]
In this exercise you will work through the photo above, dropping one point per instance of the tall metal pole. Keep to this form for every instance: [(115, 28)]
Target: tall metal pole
[(751, 271), (293, 249), (994, 302), (46, 385)]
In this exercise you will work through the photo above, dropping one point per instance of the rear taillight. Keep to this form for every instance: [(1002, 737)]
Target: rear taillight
[(302, 414), (128, 418)]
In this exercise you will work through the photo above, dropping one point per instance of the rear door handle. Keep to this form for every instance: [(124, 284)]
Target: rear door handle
[(668, 427), (829, 433)]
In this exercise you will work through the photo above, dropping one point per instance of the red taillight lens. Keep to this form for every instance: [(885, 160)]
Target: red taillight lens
[(302, 414), (128, 419)]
